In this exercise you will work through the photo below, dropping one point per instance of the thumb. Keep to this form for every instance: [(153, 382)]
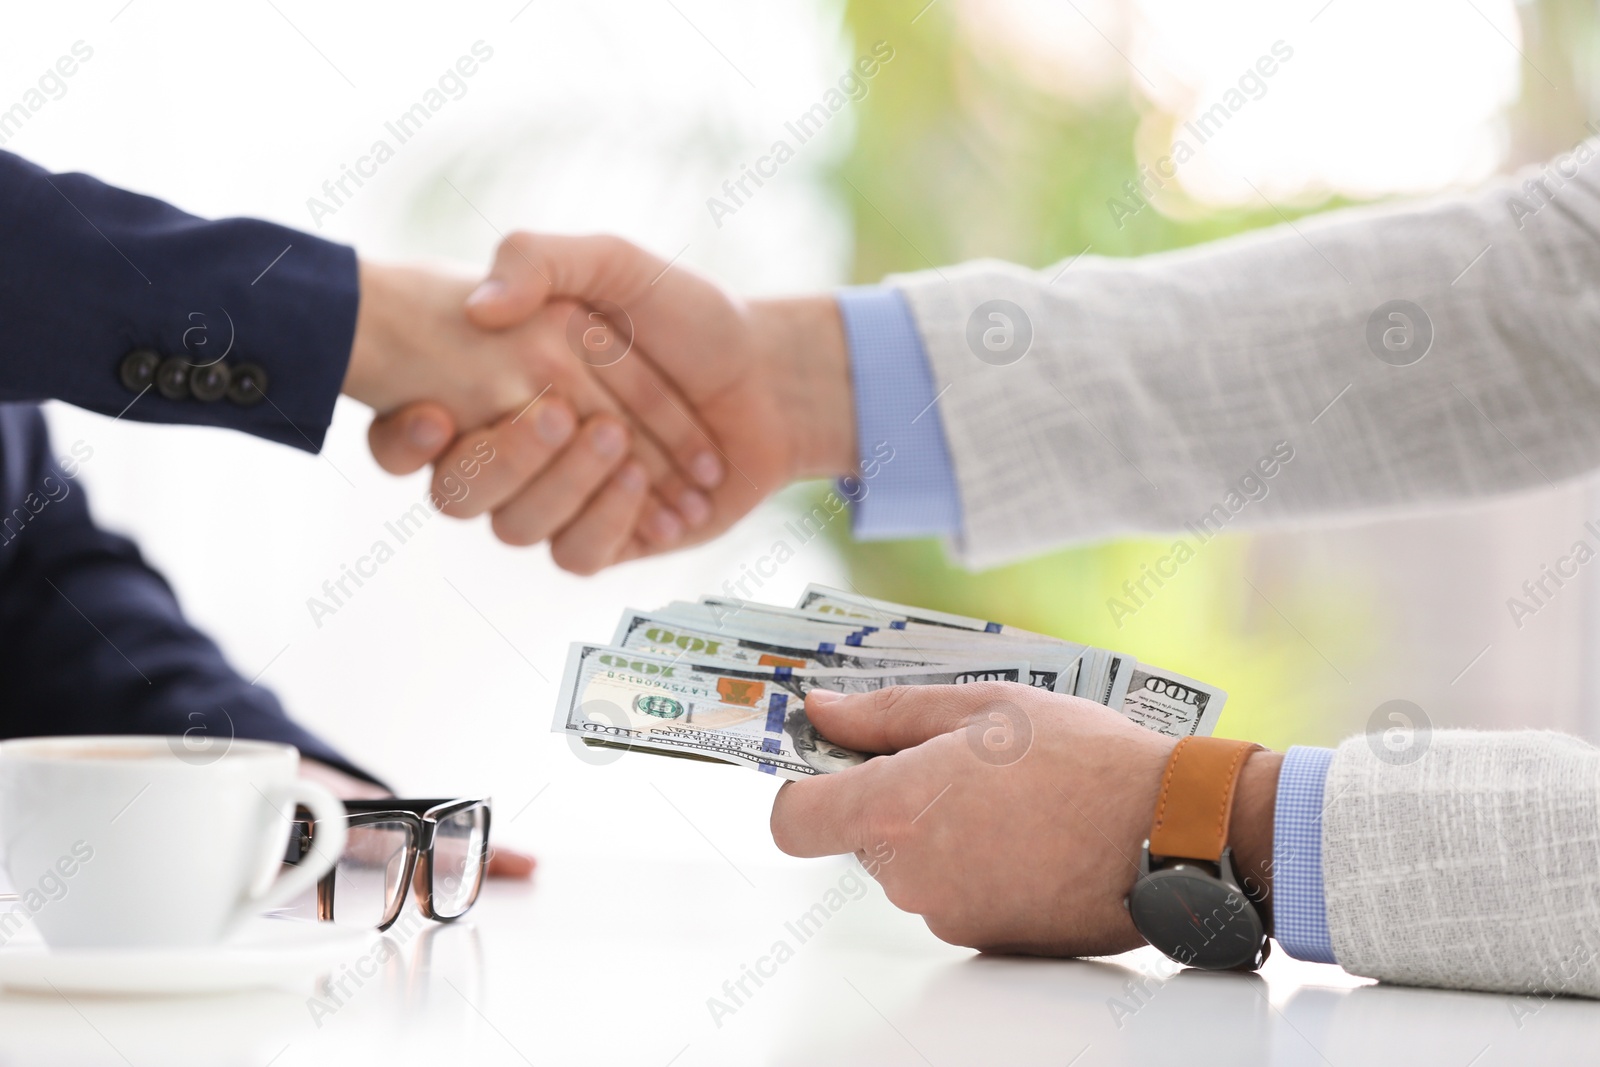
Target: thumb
[(830, 814), (531, 269), (408, 439), (904, 716)]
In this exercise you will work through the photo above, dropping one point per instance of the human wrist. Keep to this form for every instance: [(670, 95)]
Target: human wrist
[(379, 332), (1216, 801), (413, 342), (1250, 831), (809, 366)]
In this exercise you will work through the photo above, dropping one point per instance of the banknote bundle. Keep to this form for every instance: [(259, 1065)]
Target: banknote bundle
[(726, 680)]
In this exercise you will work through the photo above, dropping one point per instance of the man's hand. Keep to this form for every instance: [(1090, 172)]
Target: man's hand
[(527, 401), (744, 396), (1009, 818)]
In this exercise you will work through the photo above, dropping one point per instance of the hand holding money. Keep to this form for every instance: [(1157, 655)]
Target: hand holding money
[(728, 680), (1009, 818), (997, 782)]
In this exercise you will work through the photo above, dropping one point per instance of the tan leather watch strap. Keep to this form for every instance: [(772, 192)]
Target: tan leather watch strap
[(1196, 800)]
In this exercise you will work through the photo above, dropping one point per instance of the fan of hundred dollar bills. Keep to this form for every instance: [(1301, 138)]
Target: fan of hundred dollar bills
[(726, 680)]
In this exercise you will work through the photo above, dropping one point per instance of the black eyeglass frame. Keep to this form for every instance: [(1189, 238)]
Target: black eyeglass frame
[(421, 819)]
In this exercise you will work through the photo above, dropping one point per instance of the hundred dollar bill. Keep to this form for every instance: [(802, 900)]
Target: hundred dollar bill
[(725, 612), (882, 620), (826, 601), (669, 634), (884, 629), (795, 628), (1101, 675), (731, 610), (761, 626), (1062, 659), (724, 615), (1105, 677), (1169, 703), (1161, 700), (749, 716)]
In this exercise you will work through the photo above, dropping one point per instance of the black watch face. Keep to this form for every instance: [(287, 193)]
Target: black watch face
[(1195, 918)]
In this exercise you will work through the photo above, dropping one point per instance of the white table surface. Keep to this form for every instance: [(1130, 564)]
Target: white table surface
[(612, 962)]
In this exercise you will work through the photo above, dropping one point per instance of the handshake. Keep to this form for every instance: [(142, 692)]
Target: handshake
[(631, 406)]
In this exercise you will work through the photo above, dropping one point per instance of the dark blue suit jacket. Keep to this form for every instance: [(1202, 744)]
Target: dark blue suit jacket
[(119, 303)]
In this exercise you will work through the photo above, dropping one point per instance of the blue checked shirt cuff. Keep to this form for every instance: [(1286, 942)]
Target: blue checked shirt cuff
[(1299, 910), (900, 435)]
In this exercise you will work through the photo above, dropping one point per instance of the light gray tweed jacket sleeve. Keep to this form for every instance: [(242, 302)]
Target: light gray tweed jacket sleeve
[(1476, 866), (1152, 387), (1165, 392)]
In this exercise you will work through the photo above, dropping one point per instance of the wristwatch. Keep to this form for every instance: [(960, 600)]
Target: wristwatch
[(1188, 902)]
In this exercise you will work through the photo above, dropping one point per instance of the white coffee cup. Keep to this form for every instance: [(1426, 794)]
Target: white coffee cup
[(140, 841)]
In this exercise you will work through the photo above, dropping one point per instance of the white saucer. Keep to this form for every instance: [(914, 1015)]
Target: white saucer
[(264, 952)]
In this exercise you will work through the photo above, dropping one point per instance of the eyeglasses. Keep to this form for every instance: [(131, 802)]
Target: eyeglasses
[(369, 884)]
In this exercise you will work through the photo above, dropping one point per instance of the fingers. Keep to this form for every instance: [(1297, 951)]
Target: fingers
[(487, 469), (828, 815), (682, 507), (658, 406), (904, 716), (597, 538), (614, 283), (410, 438), (532, 287), (554, 498), (636, 548), (508, 863), (499, 459), (529, 269)]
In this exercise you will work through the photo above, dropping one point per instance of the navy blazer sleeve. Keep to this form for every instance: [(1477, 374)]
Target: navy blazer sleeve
[(91, 638), (112, 299), (125, 305)]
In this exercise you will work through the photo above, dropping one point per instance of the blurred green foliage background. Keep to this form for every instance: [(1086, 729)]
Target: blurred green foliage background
[(958, 157)]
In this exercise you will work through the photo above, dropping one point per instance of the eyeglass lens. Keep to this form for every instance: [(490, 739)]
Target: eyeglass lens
[(371, 873), (458, 848)]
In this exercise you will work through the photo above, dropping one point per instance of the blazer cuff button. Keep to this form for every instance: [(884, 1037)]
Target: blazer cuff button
[(138, 370), (247, 385), (209, 383), (172, 378)]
